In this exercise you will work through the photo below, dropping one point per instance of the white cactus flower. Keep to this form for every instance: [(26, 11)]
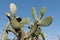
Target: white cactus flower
[(7, 14), (13, 8)]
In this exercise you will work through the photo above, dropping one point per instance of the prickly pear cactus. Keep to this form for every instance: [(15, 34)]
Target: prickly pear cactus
[(45, 22), (17, 24)]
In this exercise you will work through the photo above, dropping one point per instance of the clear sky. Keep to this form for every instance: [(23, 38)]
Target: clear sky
[(24, 8)]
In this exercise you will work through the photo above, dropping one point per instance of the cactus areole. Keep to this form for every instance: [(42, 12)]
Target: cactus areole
[(16, 25)]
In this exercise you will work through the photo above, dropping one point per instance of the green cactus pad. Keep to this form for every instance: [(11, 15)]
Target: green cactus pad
[(33, 12), (42, 12), (46, 21)]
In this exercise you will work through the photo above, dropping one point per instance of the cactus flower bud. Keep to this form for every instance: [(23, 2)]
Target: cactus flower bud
[(7, 14)]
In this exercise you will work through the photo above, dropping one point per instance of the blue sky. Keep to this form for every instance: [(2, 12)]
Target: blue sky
[(24, 8)]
